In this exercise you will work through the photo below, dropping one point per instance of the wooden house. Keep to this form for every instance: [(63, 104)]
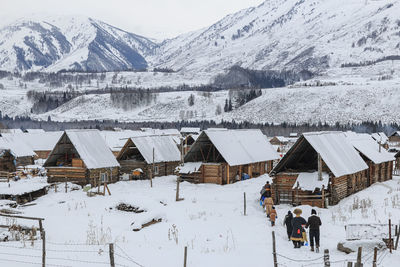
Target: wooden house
[(22, 152), (379, 161), (7, 161), (117, 139), (82, 157), (382, 139), (394, 139), (320, 166), (143, 156), (279, 141), (225, 156), (396, 166)]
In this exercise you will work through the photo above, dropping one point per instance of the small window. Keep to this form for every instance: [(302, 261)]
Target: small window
[(103, 177), (155, 169)]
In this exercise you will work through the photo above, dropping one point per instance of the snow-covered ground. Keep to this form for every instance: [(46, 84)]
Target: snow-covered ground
[(209, 221)]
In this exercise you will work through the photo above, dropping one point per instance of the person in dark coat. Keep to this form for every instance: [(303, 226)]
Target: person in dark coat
[(314, 222), (268, 190), (288, 223), (297, 231)]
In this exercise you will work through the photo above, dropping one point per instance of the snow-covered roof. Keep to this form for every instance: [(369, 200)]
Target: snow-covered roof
[(293, 135), (367, 146), (380, 137), (165, 149), (91, 148), (38, 141), (17, 146), (217, 129), (117, 139), (397, 133), (162, 131), (10, 131), (190, 130), (34, 131), (189, 167), (22, 186), (308, 181), (240, 147), (338, 154)]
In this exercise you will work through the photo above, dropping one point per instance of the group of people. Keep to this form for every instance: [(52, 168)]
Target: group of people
[(295, 225), (268, 203)]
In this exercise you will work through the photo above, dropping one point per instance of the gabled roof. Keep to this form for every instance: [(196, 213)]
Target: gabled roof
[(397, 133), (239, 147), (380, 137), (91, 148), (16, 145), (337, 153), (38, 141), (367, 146), (117, 139), (165, 149)]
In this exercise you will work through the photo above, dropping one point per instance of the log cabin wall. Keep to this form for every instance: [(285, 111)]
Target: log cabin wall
[(24, 161), (94, 175), (282, 184), (7, 162), (67, 174), (164, 168), (42, 154)]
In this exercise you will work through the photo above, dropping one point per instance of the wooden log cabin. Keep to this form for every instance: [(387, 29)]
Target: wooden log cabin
[(379, 161), (394, 139), (82, 157), (7, 161), (225, 156), (320, 166), (22, 152), (143, 156), (396, 167), (381, 138)]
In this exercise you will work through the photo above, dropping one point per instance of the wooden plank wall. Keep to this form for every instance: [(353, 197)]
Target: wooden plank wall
[(164, 168), (62, 174), (7, 163)]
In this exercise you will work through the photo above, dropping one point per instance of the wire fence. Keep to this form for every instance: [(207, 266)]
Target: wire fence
[(65, 255)]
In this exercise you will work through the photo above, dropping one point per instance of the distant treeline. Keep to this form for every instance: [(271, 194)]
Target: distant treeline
[(370, 62), (269, 129)]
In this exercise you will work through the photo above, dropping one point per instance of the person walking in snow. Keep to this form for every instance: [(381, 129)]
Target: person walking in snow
[(273, 216), (297, 232), (268, 203), (268, 190), (314, 222), (288, 223)]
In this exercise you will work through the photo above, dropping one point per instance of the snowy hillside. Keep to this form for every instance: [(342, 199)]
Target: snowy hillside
[(209, 221), (67, 42), (289, 34)]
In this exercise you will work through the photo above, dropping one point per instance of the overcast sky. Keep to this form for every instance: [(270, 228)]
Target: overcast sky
[(152, 18)]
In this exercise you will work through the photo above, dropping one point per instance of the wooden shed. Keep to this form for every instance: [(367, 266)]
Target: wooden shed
[(224, 156), (141, 153), (394, 139), (379, 161), (22, 152), (82, 157), (7, 161), (319, 166)]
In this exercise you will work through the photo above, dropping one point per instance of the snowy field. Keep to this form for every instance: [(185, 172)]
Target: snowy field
[(209, 221)]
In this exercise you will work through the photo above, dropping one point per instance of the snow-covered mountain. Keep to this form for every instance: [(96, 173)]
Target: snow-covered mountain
[(290, 34), (70, 42)]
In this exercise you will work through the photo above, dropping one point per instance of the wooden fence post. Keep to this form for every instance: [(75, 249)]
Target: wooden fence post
[(349, 264), (152, 171), (185, 257), (66, 186), (397, 240), (111, 251), (274, 249), (359, 264), (177, 189), (327, 263), (375, 257), (390, 235), (43, 248), (244, 203)]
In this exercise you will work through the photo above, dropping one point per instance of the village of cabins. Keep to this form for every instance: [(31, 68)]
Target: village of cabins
[(316, 168)]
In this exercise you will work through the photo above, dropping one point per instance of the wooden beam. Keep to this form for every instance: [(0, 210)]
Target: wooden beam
[(227, 173), (21, 217), (202, 154)]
